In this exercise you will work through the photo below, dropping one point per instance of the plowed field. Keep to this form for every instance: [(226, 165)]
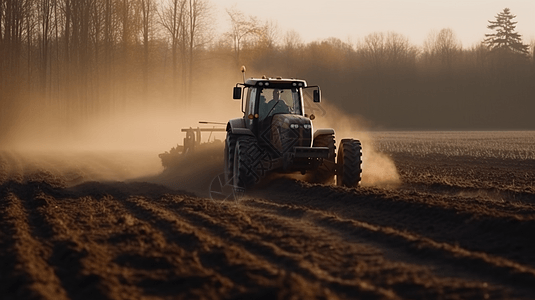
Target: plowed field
[(460, 226)]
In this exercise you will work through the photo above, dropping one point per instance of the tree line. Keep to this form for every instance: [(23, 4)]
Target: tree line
[(81, 58)]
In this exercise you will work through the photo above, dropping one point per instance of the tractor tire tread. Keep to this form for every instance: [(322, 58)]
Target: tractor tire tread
[(350, 155)]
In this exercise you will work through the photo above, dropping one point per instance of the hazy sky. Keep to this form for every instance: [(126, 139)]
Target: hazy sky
[(351, 20)]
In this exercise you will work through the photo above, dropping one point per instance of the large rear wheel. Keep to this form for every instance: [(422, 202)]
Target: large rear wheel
[(247, 162), (230, 148), (349, 165), (326, 171)]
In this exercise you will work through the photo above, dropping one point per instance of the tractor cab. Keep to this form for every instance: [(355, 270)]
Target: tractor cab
[(263, 98)]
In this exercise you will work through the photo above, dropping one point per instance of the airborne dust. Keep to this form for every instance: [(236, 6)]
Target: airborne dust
[(124, 146), (378, 169)]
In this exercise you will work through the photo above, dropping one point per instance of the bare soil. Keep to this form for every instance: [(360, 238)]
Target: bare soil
[(457, 228)]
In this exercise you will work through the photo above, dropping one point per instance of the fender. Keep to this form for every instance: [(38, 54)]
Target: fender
[(237, 126), (323, 131)]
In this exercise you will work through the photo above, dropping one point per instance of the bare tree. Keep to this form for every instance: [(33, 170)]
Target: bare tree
[(30, 26), (45, 10), (108, 32), (2, 12), (269, 35), (292, 40), (391, 51), (147, 11), (291, 48), (12, 30), (198, 35), (398, 49), (442, 47), (124, 17), (130, 25), (373, 49), (172, 19), (13, 33), (241, 28)]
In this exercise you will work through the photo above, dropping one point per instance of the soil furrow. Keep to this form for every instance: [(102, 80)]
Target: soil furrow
[(506, 179), (345, 258), (440, 221), (26, 272), (245, 233), (223, 268), (138, 258), (245, 261), (496, 269), (515, 198), (79, 263), (495, 201)]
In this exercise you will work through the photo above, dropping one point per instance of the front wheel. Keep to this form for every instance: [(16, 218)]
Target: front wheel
[(349, 164)]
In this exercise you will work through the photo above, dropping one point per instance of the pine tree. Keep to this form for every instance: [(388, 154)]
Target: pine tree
[(505, 39)]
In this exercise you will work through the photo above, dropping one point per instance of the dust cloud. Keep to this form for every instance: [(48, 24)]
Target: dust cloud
[(378, 169), (124, 146), (121, 145)]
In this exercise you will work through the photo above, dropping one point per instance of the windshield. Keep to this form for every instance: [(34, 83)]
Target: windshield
[(279, 101)]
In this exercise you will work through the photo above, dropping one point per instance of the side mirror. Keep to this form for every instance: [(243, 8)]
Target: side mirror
[(236, 93), (317, 96)]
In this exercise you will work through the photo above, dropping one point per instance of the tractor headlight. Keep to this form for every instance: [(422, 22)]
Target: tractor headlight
[(294, 126), (307, 126)]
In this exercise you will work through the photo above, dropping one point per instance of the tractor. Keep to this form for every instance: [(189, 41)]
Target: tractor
[(276, 135)]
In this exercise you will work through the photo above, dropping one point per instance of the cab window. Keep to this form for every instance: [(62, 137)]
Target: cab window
[(251, 97), (279, 101)]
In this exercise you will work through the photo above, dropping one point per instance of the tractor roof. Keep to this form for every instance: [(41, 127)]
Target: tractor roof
[(277, 82)]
